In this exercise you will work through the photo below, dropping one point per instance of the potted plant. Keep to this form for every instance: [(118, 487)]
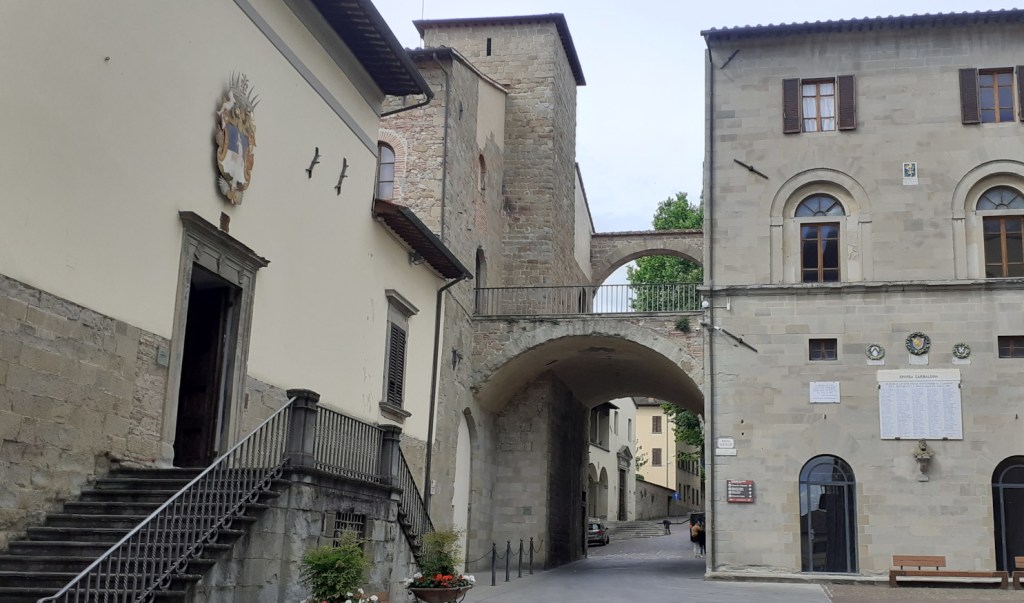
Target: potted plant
[(334, 573), (439, 581)]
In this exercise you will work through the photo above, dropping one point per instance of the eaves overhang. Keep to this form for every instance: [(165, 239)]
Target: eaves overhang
[(897, 22), (557, 18), (362, 28), (401, 221)]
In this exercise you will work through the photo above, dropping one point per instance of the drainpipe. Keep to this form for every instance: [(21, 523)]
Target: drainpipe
[(433, 386), (709, 277), (429, 96)]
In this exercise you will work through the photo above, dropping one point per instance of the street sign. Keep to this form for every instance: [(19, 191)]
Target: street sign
[(739, 491)]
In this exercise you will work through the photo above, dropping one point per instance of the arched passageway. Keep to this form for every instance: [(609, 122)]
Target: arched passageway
[(539, 382)]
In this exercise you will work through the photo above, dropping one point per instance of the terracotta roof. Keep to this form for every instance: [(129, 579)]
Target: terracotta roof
[(557, 18), (867, 24), (368, 36), (414, 233)]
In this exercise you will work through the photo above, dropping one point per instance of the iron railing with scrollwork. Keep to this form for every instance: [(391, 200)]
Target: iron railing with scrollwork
[(146, 559), (587, 299), (413, 512)]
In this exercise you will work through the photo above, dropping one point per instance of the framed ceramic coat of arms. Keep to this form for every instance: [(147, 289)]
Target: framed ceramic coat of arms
[(236, 138), (918, 343)]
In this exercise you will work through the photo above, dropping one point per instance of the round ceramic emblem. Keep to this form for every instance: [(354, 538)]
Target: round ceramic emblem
[(875, 352), (961, 351), (918, 343)]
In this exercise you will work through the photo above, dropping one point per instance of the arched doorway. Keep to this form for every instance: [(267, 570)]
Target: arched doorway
[(1008, 508), (828, 516)]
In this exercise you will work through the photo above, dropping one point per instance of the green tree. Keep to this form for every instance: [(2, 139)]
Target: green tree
[(689, 430), (674, 213)]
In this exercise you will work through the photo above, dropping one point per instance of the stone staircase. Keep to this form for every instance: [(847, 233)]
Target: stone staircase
[(648, 528), (51, 555)]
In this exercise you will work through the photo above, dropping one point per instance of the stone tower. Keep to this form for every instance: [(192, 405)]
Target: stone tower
[(534, 58)]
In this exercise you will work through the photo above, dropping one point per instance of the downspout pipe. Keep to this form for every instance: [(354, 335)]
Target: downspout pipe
[(433, 385), (430, 95), (709, 278)]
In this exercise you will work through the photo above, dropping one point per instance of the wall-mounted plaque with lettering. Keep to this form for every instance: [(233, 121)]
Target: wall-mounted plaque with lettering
[(922, 404)]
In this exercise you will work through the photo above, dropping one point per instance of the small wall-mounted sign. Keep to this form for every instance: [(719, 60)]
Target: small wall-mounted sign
[(725, 452), (739, 491), (824, 392), (909, 173), (725, 443)]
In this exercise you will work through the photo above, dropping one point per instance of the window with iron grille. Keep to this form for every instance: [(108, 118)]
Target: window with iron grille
[(656, 457), (1011, 346), (336, 524), (655, 424), (822, 349)]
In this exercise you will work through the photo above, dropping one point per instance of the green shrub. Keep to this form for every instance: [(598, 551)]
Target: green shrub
[(332, 571)]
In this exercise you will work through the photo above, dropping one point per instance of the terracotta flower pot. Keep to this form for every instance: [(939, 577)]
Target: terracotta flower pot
[(441, 595)]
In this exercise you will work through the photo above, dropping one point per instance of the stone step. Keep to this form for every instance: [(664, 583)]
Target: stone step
[(91, 534), (132, 508), (60, 548), (137, 494), (72, 563), (32, 595), (56, 580)]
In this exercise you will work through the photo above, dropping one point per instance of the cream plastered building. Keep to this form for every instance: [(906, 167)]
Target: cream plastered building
[(657, 449), (611, 470), (863, 194), (115, 239)]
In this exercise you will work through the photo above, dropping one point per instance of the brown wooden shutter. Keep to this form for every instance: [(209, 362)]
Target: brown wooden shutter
[(791, 106), (396, 365), (847, 102), (969, 110), (1020, 91)]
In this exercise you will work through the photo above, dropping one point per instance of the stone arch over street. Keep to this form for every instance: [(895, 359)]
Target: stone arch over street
[(537, 380), (611, 250)]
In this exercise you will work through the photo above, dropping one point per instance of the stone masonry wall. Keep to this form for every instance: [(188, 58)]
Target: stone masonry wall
[(77, 390), (539, 176), (263, 566)]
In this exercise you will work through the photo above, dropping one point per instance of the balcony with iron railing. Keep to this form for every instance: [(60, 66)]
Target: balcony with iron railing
[(660, 298)]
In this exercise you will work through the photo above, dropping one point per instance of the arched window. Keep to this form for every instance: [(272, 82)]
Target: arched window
[(385, 172), (1008, 508), (828, 516), (819, 239), (1002, 214)]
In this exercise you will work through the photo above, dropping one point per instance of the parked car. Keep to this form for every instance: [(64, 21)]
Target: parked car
[(597, 533)]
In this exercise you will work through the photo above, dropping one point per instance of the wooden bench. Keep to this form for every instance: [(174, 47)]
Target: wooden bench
[(935, 562), (1018, 564)]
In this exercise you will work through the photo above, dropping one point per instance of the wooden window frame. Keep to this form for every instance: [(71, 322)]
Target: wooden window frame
[(1003, 264), (845, 103), (822, 349), (817, 102), (970, 94), (1010, 346), (996, 109), (820, 251)]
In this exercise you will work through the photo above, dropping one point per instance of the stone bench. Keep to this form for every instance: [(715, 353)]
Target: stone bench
[(934, 563)]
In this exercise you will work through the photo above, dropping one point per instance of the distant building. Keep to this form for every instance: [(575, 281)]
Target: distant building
[(864, 198), (657, 450), (611, 476)]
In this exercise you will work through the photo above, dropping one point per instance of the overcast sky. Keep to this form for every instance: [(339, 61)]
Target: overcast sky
[(640, 118)]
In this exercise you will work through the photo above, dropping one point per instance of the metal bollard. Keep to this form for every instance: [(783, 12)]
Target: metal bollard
[(494, 563), (531, 555), (520, 558), (508, 555)]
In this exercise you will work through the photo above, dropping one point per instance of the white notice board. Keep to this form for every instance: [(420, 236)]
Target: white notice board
[(922, 404)]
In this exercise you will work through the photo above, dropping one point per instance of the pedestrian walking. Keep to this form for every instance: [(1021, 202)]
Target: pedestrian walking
[(696, 537), (702, 538)]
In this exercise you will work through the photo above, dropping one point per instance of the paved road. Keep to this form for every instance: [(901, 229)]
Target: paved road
[(663, 570), (652, 570)]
